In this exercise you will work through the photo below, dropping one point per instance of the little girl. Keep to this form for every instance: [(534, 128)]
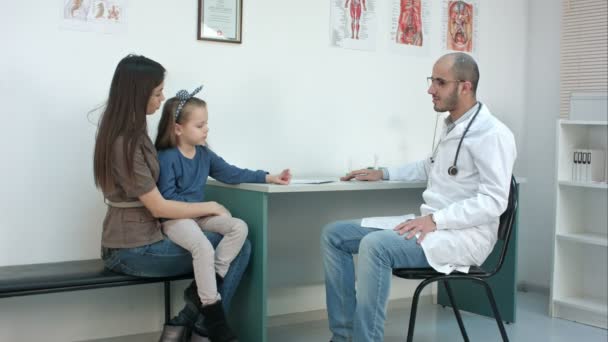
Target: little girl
[(185, 162)]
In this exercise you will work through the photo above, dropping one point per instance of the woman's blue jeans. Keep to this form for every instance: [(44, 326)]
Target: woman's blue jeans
[(165, 258)]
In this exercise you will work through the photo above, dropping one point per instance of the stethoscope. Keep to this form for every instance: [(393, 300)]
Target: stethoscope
[(453, 170)]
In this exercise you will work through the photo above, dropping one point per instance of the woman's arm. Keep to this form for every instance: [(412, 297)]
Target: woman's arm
[(160, 207)]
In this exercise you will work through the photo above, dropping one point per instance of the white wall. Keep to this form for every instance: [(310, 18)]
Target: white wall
[(542, 112), (283, 94)]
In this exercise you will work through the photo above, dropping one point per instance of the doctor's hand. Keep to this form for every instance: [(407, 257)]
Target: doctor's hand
[(363, 175), (282, 178), (422, 224)]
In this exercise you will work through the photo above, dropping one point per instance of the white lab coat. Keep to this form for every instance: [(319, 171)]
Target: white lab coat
[(466, 207)]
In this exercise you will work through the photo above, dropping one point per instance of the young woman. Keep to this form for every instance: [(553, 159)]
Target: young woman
[(126, 170)]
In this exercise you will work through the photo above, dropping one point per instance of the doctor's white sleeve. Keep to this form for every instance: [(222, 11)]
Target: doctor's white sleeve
[(494, 157), (413, 172)]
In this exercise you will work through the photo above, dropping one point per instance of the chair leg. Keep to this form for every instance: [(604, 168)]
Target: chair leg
[(167, 301), (456, 311), (410, 330), (501, 327)]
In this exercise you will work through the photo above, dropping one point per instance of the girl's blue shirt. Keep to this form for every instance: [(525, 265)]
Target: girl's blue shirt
[(183, 179)]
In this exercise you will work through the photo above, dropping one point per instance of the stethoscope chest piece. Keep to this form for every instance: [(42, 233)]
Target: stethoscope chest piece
[(453, 170)]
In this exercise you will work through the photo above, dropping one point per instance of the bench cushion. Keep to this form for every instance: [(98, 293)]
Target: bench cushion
[(66, 276)]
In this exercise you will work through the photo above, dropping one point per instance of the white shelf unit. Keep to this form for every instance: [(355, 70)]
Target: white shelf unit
[(579, 287)]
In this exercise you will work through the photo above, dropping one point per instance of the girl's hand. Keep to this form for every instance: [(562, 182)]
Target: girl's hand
[(282, 178)]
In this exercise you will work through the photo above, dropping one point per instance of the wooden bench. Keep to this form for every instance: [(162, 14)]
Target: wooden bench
[(26, 280)]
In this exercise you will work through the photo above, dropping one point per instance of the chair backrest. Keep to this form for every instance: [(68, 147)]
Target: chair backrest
[(507, 220)]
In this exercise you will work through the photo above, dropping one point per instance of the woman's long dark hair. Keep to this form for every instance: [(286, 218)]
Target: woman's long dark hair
[(125, 114)]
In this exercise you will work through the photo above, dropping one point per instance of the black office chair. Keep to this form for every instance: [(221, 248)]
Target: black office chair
[(507, 220)]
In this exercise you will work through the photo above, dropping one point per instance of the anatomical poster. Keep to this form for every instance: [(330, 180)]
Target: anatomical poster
[(94, 15), (460, 25), (353, 24), (410, 26)]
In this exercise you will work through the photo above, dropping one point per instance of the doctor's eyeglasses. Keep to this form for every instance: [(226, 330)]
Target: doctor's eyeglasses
[(440, 82)]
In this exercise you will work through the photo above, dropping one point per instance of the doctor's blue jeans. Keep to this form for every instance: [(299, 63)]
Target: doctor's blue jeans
[(359, 315), (166, 258)]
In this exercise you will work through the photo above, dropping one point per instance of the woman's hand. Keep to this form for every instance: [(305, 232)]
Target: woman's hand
[(282, 178), (217, 209)]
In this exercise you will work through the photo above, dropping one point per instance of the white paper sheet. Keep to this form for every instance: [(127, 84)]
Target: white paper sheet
[(385, 222), (311, 181)]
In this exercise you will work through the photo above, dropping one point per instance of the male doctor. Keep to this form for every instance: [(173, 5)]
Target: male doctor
[(467, 191)]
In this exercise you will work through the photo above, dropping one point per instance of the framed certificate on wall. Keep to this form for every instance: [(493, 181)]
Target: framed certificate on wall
[(220, 20)]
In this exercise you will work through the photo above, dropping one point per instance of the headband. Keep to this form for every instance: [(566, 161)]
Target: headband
[(183, 96)]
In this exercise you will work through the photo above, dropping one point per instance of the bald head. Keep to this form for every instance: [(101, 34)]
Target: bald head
[(463, 67)]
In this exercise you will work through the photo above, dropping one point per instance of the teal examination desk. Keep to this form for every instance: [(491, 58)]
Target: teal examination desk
[(285, 224)]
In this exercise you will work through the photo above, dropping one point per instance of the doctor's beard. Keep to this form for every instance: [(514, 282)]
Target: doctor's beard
[(449, 103)]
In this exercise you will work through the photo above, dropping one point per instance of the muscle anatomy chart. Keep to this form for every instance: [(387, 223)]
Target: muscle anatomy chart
[(460, 25), (353, 24)]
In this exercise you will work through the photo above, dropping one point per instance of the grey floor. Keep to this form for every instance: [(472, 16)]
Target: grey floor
[(435, 323)]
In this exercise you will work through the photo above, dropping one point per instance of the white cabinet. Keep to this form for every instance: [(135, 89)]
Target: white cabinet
[(579, 289)]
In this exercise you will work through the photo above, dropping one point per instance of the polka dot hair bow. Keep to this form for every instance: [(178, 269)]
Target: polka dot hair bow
[(183, 96)]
